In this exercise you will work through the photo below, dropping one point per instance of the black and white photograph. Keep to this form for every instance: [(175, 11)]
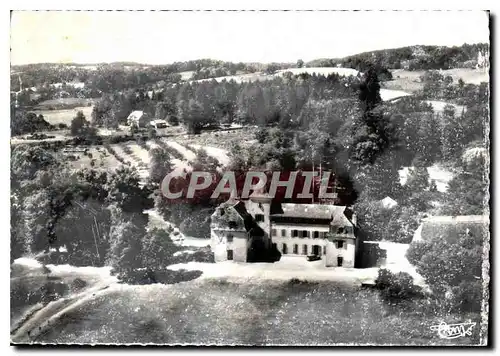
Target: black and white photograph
[(250, 178)]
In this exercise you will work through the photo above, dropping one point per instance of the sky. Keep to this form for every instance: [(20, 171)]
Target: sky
[(155, 37)]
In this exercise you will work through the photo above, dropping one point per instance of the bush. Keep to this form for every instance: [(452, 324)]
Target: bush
[(152, 133), (451, 263), (148, 276), (127, 150), (173, 120), (396, 287)]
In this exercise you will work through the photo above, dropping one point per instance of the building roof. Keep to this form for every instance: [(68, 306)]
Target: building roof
[(388, 203), (157, 121), (315, 211), (260, 194), (233, 215), (135, 115)]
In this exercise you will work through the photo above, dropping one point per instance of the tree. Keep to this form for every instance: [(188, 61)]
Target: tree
[(372, 133), (27, 122), (451, 263), (35, 218), (124, 190), (80, 126), (157, 250), (271, 68), (467, 191), (204, 162), (396, 287), (18, 245), (160, 164), (369, 92), (27, 160), (126, 239), (453, 133), (194, 117), (300, 63)]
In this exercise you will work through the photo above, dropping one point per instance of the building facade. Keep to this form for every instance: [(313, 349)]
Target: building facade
[(242, 229)]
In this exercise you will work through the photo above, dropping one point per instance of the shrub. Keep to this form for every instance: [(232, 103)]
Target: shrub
[(451, 263), (152, 133), (396, 287), (127, 150)]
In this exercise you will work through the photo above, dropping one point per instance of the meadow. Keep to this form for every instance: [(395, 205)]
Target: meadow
[(63, 116), (258, 313), (409, 80)]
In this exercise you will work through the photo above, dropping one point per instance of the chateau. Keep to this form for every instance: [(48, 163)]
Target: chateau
[(244, 230)]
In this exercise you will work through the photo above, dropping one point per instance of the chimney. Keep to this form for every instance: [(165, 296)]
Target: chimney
[(353, 219)]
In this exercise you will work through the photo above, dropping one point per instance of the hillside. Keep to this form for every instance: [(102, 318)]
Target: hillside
[(96, 309), (416, 57)]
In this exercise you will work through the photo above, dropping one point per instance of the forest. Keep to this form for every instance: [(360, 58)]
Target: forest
[(411, 57)]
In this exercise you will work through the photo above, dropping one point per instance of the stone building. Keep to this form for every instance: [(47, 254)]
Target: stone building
[(243, 230)]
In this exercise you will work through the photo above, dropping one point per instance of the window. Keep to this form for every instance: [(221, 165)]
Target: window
[(273, 232), (340, 230), (340, 244), (316, 234), (283, 233), (295, 233), (348, 230), (305, 233), (229, 254), (232, 224), (324, 250), (296, 249), (340, 261), (304, 249), (259, 217), (229, 237), (285, 249)]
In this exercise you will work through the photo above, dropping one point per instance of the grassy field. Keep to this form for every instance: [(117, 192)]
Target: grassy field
[(64, 103), (260, 76), (220, 139), (64, 116), (103, 159), (410, 80), (223, 313)]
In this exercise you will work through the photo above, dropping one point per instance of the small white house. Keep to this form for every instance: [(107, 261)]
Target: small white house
[(137, 118), (158, 124), (388, 203)]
